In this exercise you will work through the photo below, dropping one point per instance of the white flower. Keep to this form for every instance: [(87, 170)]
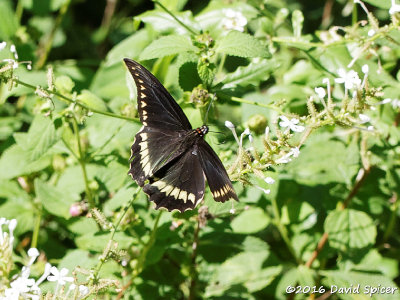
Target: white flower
[(229, 124), (83, 290), (387, 100), (295, 152), (320, 92), (394, 8), (350, 79), (370, 128), (2, 45), (291, 124), (396, 103), (14, 51), (266, 131), (232, 211), (269, 180), (234, 20), (364, 118), (371, 32), (11, 61), (59, 276), (365, 69)]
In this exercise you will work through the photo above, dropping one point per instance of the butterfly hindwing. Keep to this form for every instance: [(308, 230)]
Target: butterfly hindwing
[(179, 184), (156, 106), (217, 177)]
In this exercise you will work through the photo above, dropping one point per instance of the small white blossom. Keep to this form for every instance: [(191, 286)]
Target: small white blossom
[(83, 290), (232, 211), (14, 51), (295, 152), (370, 128), (229, 124), (266, 131), (350, 78), (371, 32), (13, 62), (59, 276), (364, 118), (269, 180), (250, 138), (396, 103), (387, 100), (365, 69), (2, 45), (320, 92), (394, 8), (291, 124), (234, 20)]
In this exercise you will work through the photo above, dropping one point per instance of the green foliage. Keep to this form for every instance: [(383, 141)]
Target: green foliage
[(318, 179)]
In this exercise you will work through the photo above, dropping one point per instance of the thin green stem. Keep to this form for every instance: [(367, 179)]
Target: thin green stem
[(19, 9), (45, 49), (83, 164), (115, 228), (109, 114), (36, 229), (392, 219), (147, 247), (282, 230), (241, 100), (175, 18)]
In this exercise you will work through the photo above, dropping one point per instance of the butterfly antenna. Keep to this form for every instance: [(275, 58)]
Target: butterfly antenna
[(224, 141), (208, 109)]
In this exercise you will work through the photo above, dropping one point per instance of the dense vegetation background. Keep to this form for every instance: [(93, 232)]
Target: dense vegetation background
[(310, 93)]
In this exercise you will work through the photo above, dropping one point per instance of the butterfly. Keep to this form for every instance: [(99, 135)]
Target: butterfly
[(170, 160)]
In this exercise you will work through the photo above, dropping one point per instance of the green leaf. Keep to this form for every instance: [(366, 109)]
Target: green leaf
[(14, 162), (250, 74), (39, 139), (54, 200), (206, 73), (91, 100), (243, 269), (188, 76), (250, 221), (384, 4), (8, 21), (97, 241), (236, 43), (350, 229), (168, 45)]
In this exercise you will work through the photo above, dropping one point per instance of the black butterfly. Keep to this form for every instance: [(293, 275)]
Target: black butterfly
[(170, 160)]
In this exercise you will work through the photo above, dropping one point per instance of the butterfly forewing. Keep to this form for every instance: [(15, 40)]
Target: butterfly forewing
[(179, 184), (156, 106), (217, 177)]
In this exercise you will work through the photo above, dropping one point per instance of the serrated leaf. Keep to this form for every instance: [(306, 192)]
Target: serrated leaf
[(168, 45), (250, 74), (39, 139), (206, 73), (250, 221), (54, 200), (241, 44), (350, 229)]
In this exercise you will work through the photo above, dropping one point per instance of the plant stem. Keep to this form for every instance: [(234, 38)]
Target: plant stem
[(115, 228), (106, 113), (392, 220), (147, 247), (282, 230), (175, 18), (44, 49), (36, 229), (81, 160), (193, 270)]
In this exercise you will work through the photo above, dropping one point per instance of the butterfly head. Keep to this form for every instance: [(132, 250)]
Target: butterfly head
[(202, 131)]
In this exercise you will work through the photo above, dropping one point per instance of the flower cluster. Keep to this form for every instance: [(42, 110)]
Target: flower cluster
[(234, 20), (22, 286)]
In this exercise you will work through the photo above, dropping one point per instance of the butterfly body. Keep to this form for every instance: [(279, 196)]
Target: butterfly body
[(170, 160)]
